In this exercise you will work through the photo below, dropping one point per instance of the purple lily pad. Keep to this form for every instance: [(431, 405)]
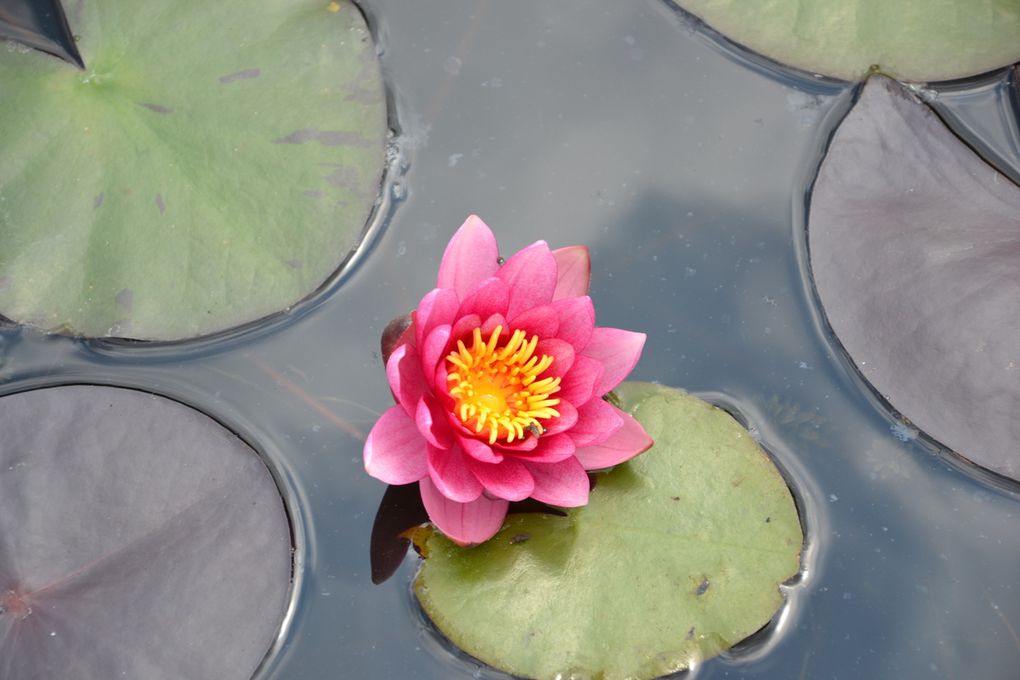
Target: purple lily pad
[(915, 253), (138, 539)]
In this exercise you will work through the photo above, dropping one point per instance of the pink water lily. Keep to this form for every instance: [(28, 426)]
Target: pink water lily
[(499, 382)]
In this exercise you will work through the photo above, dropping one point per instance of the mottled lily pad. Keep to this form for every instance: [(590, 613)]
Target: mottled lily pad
[(138, 539), (921, 40), (915, 253), (214, 164), (679, 554)]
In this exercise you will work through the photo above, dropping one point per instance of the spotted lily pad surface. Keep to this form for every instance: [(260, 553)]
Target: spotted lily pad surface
[(138, 539), (678, 555), (923, 40), (214, 164), (915, 253)]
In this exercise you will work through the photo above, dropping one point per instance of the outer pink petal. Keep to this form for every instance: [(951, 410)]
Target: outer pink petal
[(492, 296), (464, 523), (432, 423), (451, 475), (542, 321), (618, 350), (509, 479), (551, 448), (564, 484), (577, 320), (434, 349), (531, 275), (596, 421), (562, 354), (394, 451), (566, 420), (578, 386), (573, 269), (622, 445), (479, 450), (437, 308), (471, 257), (403, 372)]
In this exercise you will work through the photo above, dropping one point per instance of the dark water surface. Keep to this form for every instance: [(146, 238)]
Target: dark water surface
[(683, 164)]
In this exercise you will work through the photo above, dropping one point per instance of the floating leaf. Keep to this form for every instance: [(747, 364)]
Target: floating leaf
[(401, 510), (915, 252), (138, 539), (678, 555), (909, 39), (213, 165)]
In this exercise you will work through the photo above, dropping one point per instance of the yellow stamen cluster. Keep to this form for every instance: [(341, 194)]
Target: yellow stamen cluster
[(496, 387)]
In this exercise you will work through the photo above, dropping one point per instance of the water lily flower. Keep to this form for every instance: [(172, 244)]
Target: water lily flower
[(499, 380)]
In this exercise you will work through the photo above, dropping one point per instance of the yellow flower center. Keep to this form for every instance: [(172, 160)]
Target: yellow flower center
[(496, 389)]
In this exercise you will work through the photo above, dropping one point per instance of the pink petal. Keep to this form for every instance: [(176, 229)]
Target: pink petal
[(437, 308), (434, 349), (509, 479), (618, 350), (479, 450), (432, 424), (563, 422), (564, 484), (531, 275), (451, 475), (562, 353), (577, 320), (578, 386), (596, 421), (492, 296), (622, 445), (490, 324), (471, 256), (518, 446), (464, 523), (403, 372), (394, 451), (573, 269), (551, 448), (541, 321), (463, 329)]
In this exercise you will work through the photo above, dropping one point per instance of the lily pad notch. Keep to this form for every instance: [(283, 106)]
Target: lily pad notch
[(680, 554)]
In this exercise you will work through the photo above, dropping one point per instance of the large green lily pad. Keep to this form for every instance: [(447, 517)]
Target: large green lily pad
[(679, 554), (923, 40), (214, 164)]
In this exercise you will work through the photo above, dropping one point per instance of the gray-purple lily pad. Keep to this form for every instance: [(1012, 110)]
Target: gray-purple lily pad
[(138, 539), (915, 253), (213, 164)]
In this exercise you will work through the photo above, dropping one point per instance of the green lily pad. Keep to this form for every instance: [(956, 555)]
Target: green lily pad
[(678, 555), (909, 39), (214, 164)]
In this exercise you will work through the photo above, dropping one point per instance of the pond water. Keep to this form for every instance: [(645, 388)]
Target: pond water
[(682, 163)]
